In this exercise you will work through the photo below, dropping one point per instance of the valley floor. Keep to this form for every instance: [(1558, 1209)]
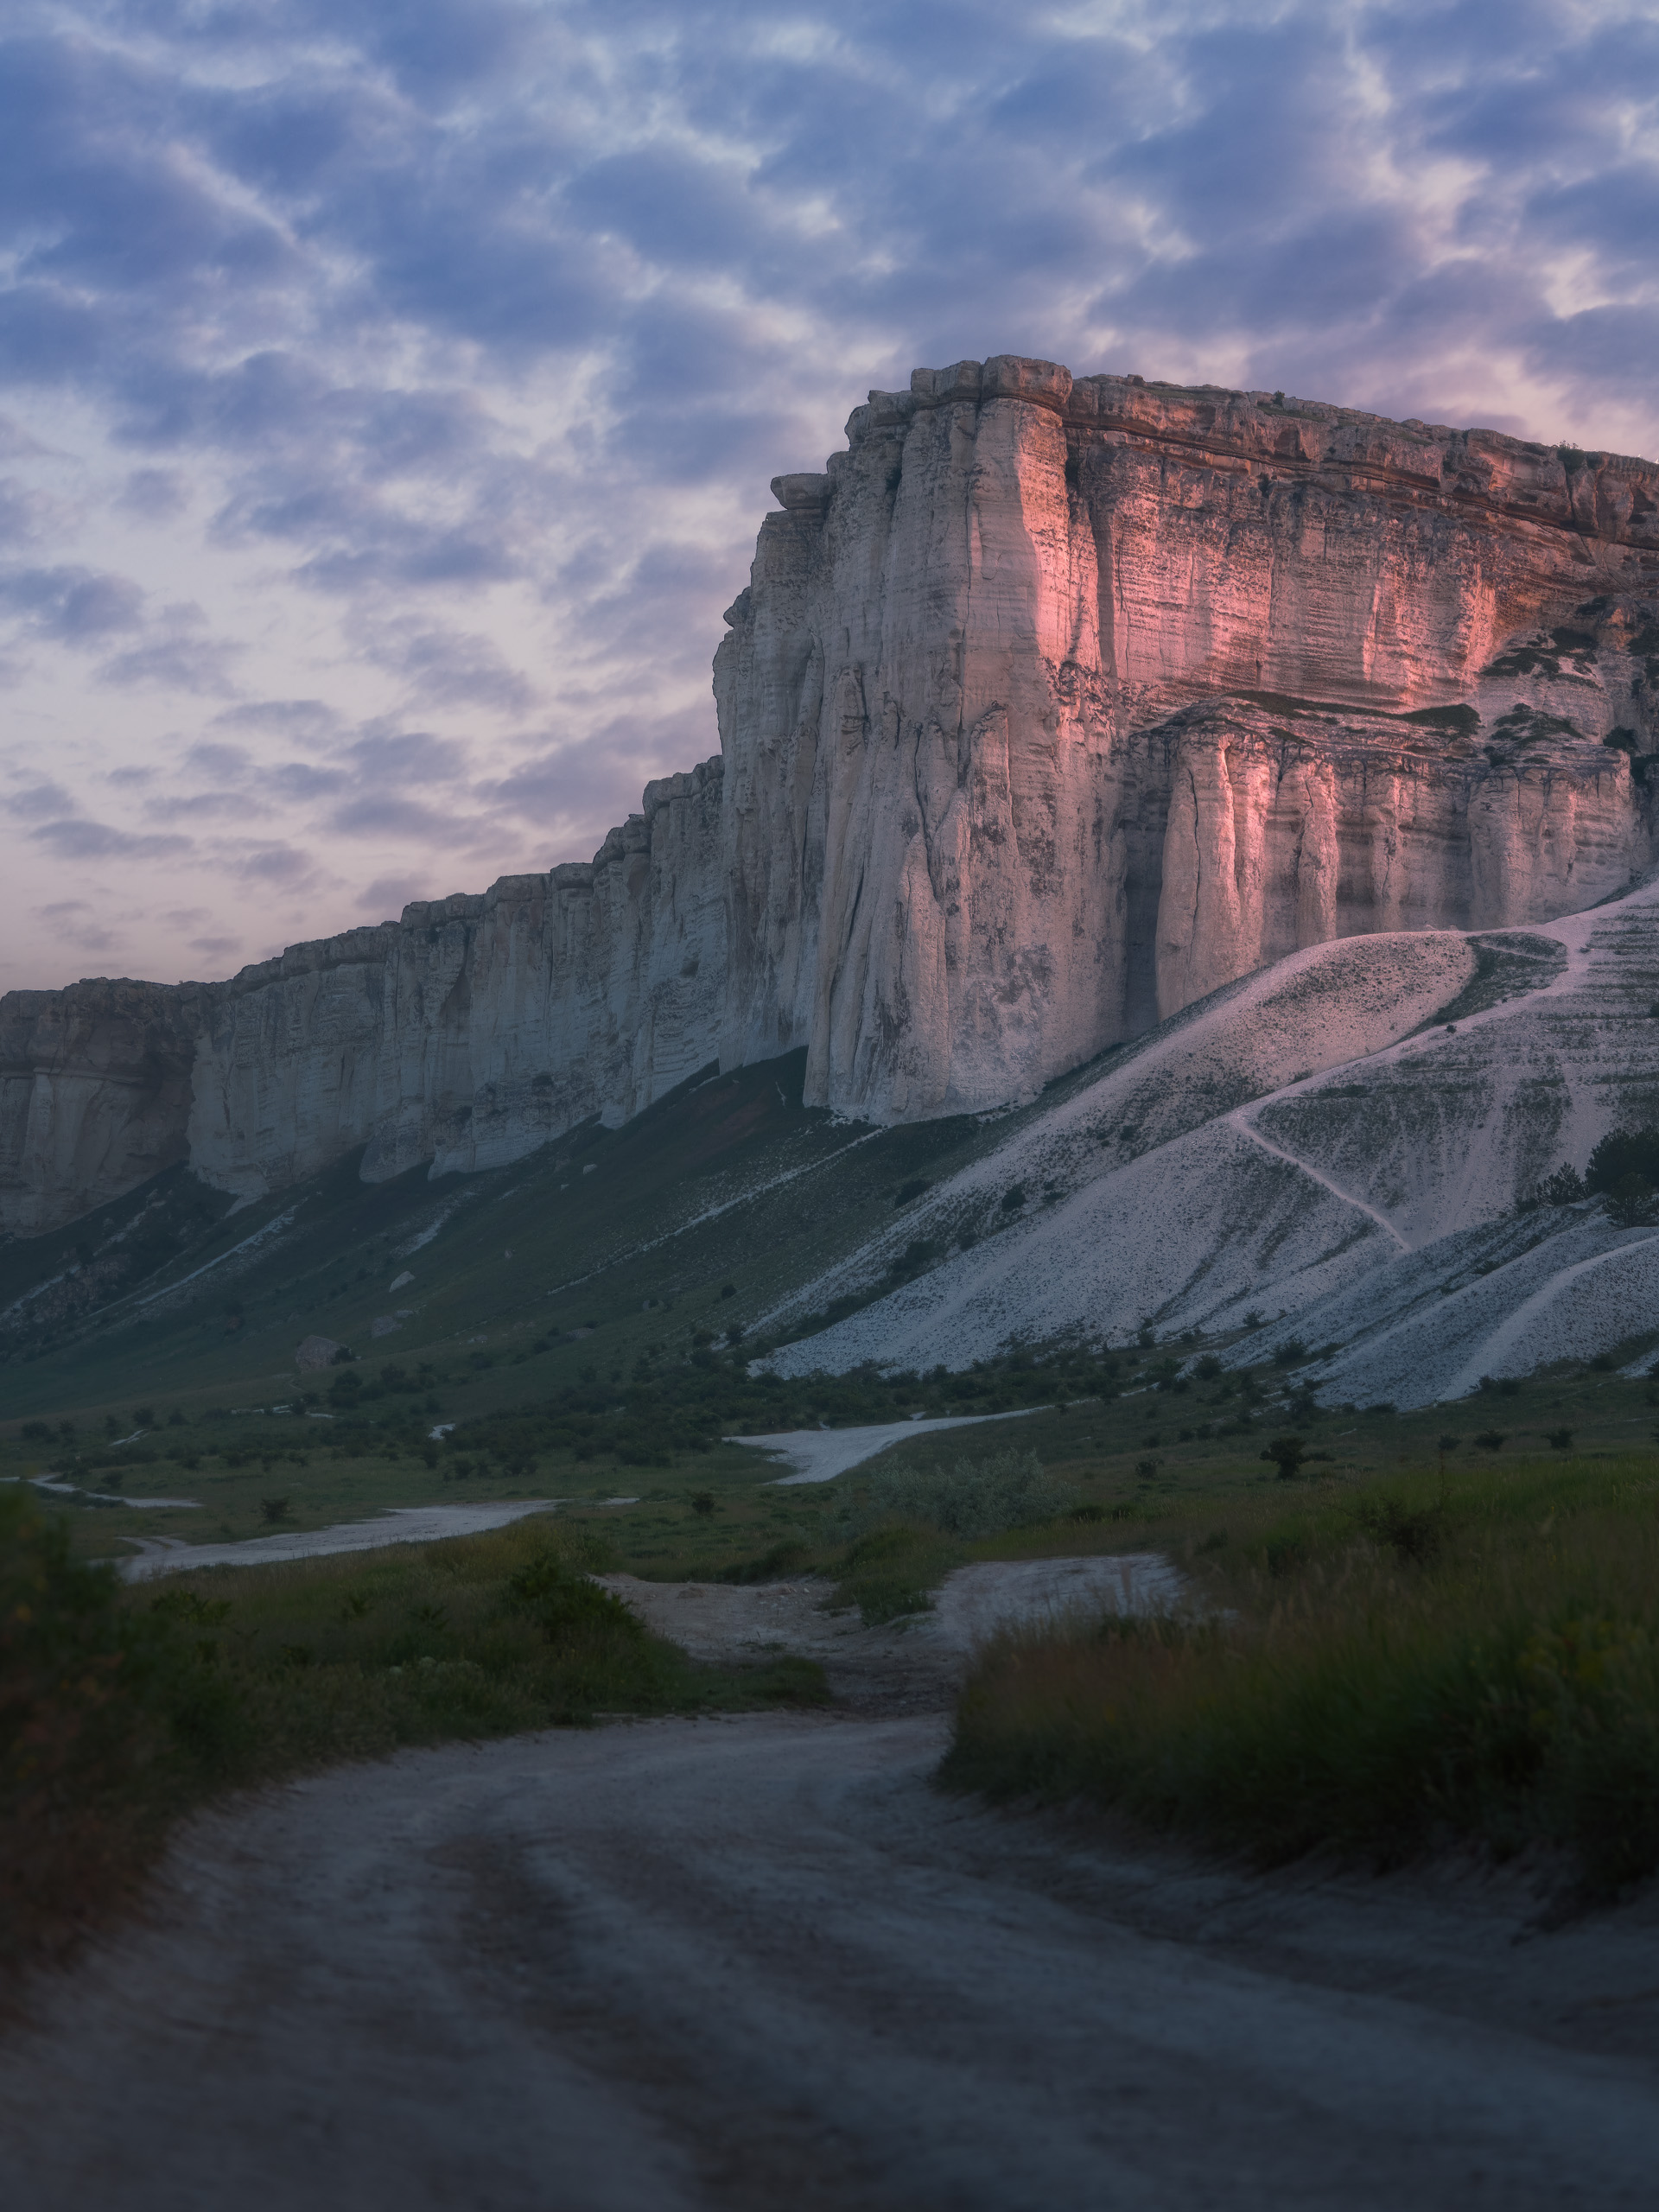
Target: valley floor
[(762, 1961)]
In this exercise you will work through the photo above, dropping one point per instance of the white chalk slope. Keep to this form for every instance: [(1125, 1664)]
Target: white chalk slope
[(1339, 1143)]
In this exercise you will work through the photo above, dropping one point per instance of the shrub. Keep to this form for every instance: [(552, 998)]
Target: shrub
[(1630, 1203), (1566, 1187), (1622, 1153), (977, 1497), (103, 1712), (1286, 1454), (1412, 1534)]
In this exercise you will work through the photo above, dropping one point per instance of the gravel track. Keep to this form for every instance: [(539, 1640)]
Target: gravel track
[(762, 1963)]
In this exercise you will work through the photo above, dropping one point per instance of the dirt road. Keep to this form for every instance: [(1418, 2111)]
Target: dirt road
[(761, 1964)]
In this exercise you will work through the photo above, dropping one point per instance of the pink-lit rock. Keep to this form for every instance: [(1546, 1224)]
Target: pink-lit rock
[(1051, 706)]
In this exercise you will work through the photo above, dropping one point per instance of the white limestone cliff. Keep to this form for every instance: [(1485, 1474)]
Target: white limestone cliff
[(1050, 707)]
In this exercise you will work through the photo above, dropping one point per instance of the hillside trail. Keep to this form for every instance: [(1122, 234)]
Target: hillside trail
[(736, 1965)]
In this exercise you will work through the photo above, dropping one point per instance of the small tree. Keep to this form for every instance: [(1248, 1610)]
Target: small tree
[(1564, 1188), (1631, 1202), (1286, 1453), (1623, 1153)]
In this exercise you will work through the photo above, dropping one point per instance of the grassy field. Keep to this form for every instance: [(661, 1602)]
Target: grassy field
[(1132, 1439), (1462, 1650)]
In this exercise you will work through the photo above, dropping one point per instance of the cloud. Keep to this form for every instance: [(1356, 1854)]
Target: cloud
[(272, 862), (40, 802), (230, 763), (155, 494), (295, 719), (444, 667), (199, 666), (73, 605), (388, 895), (443, 355), (74, 838)]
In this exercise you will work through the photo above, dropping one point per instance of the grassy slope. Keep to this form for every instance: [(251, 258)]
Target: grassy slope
[(634, 1230), (1465, 1646)]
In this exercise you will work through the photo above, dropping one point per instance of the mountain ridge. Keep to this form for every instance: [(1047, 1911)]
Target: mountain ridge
[(1052, 704)]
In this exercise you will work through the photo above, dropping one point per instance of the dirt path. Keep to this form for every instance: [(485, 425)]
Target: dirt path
[(913, 1665), (760, 1963)]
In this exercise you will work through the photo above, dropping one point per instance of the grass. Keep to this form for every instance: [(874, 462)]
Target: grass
[(1468, 1655), (122, 1707)]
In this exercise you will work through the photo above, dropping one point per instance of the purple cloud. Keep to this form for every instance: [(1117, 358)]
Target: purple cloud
[(444, 354)]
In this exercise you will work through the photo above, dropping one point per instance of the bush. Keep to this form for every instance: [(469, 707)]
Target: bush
[(1630, 1203), (977, 1497), (1622, 1153), (105, 1715), (1566, 1187)]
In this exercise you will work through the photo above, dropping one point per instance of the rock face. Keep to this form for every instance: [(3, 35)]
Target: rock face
[(1051, 706), (95, 1086)]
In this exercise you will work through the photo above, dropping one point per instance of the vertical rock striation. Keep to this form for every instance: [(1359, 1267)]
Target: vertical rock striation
[(1053, 705), (1050, 707)]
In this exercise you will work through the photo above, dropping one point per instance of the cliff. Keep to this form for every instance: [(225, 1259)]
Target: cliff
[(1051, 706)]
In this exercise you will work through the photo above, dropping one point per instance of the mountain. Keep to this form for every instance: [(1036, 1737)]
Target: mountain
[(1336, 1160), (1052, 707)]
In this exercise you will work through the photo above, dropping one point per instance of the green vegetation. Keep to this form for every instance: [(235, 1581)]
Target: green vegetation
[(1461, 1654), (1006, 1489), (689, 1228), (586, 1337), (120, 1708), (1622, 1172)]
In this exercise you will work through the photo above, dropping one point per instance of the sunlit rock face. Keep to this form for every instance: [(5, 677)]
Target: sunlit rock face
[(1051, 706)]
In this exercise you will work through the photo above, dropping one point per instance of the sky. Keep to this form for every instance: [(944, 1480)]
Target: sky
[(390, 389)]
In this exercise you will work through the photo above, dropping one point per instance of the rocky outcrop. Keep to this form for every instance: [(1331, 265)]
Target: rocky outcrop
[(1053, 705), (1050, 707), (94, 1093), (476, 1027)]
